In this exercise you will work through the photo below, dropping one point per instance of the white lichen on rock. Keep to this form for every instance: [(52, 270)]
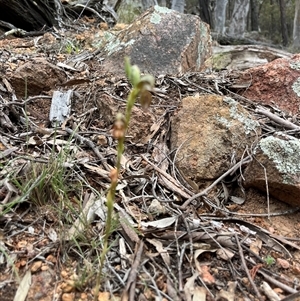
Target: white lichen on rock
[(158, 12), (113, 44), (284, 153), (162, 9), (296, 86), (295, 65), (237, 114)]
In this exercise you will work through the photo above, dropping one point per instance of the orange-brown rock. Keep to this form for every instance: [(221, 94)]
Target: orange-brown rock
[(276, 83), (211, 132), (36, 76)]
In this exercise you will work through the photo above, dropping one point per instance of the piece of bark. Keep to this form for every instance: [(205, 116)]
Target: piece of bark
[(60, 107)]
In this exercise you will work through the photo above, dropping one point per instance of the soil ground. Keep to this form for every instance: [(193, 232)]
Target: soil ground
[(33, 239)]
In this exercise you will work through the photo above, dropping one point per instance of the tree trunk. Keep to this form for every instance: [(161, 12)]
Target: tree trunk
[(220, 16), (284, 32), (238, 21), (205, 13), (296, 29), (254, 15), (272, 32), (178, 5)]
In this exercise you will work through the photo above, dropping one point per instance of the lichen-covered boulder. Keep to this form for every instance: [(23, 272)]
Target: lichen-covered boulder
[(160, 41), (210, 133), (276, 167)]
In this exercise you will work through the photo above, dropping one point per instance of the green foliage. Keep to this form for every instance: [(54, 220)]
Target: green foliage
[(47, 182), (269, 260), (71, 47)]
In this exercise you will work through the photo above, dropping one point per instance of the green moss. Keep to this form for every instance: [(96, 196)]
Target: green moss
[(221, 60)]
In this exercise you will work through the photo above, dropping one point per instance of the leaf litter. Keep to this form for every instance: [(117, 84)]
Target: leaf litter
[(52, 194)]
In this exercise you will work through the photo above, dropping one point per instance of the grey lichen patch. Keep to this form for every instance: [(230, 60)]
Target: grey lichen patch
[(158, 11), (225, 122), (295, 65), (162, 10), (296, 86), (155, 18), (248, 123), (284, 153), (113, 44)]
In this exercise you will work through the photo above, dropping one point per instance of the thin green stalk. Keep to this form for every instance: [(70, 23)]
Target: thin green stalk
[(140, 86)]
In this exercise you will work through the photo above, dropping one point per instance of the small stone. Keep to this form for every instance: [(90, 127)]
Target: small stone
[(104, 296), (68, 297), (245, 281), (156, 208), (296, 269), (44, 267), (83, 296), (36, 266), (64, 274), (68, 286), (51, 258), (101, 140)]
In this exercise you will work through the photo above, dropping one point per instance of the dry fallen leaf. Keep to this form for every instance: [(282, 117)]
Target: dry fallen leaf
[(228, 294), (269, 292), (225, 254), (206, 276), (189, 286), (23, 288), (160, 224), (283, 263), (203, 270), (199, 294), (161, 250), (256, 245)]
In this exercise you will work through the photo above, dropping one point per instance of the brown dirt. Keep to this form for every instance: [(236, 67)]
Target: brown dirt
[(58, 270)]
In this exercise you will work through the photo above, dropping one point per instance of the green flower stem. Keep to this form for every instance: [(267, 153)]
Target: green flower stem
[(139, 85), (110, 199), (130, 103)]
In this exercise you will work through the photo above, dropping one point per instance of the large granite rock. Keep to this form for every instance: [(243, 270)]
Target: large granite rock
[(160, 41), (210, 133), (276, 83), (276, 166)]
